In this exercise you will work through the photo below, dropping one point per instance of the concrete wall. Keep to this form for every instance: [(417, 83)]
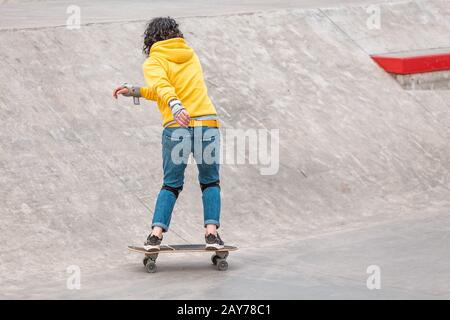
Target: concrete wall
[(79, 172)]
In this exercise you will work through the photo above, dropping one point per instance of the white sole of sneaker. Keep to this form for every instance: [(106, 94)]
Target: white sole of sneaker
[(214, 246), (151, 248)]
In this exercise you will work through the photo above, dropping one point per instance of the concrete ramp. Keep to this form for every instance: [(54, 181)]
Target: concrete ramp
[(79, 172)]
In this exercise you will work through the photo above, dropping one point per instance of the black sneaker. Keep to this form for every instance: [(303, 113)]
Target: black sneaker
[(153, 243), (213, 242)]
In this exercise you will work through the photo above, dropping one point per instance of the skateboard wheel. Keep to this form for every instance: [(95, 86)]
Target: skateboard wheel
[(214, 259), (150, 266), (222, 265)]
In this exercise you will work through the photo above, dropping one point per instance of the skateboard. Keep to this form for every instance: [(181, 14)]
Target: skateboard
[(219, 257)]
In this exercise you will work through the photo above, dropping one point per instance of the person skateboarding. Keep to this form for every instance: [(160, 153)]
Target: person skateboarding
[(174, 79)]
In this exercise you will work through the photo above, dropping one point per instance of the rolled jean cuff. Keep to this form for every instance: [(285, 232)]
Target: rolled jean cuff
[(161, 225), (210, 221)]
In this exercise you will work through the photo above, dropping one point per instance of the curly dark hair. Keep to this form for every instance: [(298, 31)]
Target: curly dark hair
[(159, 29)]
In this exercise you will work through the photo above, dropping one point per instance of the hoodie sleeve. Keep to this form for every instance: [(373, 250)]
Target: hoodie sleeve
[(158, 82), (147, 93)]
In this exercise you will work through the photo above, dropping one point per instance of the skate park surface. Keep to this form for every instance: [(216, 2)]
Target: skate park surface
[(364, 165)]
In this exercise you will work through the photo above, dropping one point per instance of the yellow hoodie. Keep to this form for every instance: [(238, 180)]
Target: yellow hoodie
[(173, 71)]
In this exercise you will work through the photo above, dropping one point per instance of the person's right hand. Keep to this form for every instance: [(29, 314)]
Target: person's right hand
[(120, 90), (183, 118)]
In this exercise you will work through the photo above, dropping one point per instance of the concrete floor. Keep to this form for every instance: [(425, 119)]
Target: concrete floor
[(364, 166), (413, 256)]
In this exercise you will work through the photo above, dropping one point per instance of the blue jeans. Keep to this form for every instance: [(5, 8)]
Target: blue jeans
[(177, 145)]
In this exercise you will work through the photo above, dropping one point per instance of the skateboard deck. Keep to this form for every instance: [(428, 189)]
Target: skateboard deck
[(218, 258)]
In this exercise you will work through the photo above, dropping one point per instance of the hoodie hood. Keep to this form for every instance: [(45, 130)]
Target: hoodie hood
[(174, 50)]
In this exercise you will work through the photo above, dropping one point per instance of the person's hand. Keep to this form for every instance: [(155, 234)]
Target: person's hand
[(120, 90), (183, 118)]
